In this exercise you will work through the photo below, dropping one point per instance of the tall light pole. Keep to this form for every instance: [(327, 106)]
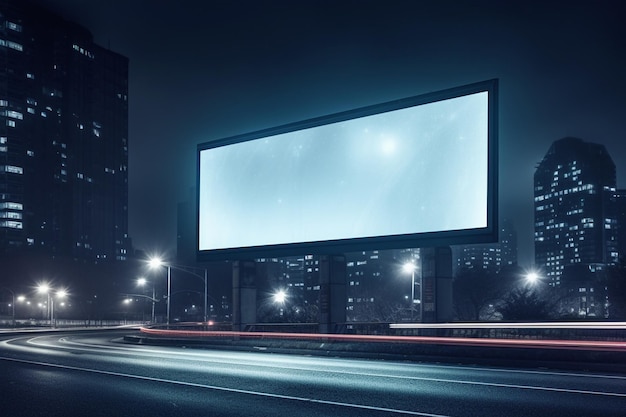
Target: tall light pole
[(411, 267), (44, 288), (12, 304), (157, 262), (60, 294), (141, 282)]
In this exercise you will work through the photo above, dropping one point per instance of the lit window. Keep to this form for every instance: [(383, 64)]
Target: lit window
[(11, 206), (14, 114), (11, 224), (11, 123), (13, 169), (13, 26), (14, 45)]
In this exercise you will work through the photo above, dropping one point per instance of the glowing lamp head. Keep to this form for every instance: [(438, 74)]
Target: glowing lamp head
[(409, 267), (43, 288), (532, 277), (155, 262), (280, 297)]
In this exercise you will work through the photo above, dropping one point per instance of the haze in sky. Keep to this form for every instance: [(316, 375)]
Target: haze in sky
[(214, 69)]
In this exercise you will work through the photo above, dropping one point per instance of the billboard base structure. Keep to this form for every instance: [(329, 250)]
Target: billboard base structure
[(436, 285), (244, 294), (435, 290), (332, 312)]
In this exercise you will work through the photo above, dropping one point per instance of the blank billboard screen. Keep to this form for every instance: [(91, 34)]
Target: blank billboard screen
[(390, 175)]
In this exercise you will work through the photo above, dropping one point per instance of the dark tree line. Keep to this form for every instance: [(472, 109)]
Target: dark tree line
[(507, 295)]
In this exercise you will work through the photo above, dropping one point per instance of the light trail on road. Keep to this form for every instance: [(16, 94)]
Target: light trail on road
[(598, 345), (249, 383)]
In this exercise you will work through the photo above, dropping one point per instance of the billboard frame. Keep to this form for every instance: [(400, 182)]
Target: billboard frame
[(412, 240)]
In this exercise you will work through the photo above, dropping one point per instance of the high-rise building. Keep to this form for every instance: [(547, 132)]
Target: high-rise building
[(380, 286), (63, 138), (575, 210), (620, 200), (493, 256)]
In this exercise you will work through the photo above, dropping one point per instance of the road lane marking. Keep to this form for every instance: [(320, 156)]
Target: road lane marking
[(198, 357), (231, 390)]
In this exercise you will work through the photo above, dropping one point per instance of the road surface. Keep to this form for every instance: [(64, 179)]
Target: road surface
[(92, 373)]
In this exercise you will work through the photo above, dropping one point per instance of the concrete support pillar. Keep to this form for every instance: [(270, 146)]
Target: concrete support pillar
[(244, 294), (436, 285), (332, 302)]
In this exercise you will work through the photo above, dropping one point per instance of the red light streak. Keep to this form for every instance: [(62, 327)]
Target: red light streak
[(613, 346)]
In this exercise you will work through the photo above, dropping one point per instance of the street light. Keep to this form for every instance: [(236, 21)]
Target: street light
[(280, 297), (12, 304), (157, 262), (411, 267), (142, 282), (44, 288), (532, 277)]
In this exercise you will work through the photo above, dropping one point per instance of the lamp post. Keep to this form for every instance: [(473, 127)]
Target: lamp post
[(411, 267), (157, 262), (142, 282), (280, 297), (12, 305), (45, 289)]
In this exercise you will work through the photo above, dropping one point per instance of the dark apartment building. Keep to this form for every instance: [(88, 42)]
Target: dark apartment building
[(63, 138), (575, 210)]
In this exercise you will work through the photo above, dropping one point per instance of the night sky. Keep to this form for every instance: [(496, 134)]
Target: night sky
[(204, 70)]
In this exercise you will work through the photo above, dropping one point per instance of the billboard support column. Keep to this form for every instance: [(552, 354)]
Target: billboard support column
[(436, 285), (332, 301), (244, 294)]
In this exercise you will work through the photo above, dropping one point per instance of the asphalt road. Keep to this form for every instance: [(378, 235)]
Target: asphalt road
[(93, 374)]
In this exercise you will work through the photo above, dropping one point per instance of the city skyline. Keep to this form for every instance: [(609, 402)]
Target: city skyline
[(228, 69)]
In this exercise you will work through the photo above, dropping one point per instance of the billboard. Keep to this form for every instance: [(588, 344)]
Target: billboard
[(419, 171)]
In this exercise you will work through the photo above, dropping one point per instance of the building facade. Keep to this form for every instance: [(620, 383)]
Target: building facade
[(575, 211), (491, 257), (620, 200), (63, 138)]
